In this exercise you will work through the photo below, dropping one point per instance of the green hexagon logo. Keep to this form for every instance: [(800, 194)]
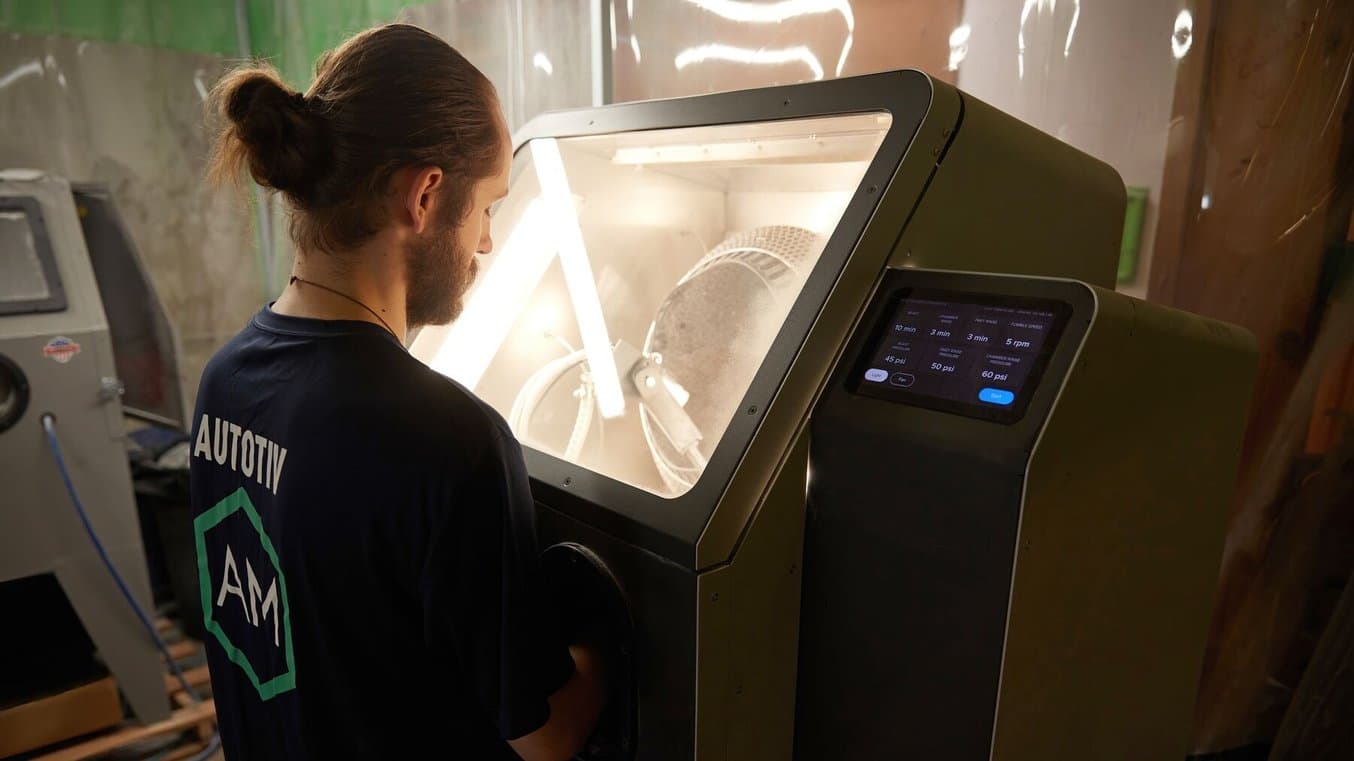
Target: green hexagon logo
[(239, 502)]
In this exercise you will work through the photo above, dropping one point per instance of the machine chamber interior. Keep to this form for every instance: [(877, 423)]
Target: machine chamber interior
[(638, 281)]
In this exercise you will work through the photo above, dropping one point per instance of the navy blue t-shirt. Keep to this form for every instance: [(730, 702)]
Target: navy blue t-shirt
[(366, 553)]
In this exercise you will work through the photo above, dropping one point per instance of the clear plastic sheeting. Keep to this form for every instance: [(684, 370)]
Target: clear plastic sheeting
[(131, 117), (1098, 76), (538, 54), (115, 94), (683, 47), (639, 280)]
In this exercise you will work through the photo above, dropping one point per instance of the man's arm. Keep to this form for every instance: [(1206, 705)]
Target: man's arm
[(574, 709)]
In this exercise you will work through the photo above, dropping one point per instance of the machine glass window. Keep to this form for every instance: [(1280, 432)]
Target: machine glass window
[(638, 281), (21, 271)]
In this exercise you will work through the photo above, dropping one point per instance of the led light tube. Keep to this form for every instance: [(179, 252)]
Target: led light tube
[(562, 222)]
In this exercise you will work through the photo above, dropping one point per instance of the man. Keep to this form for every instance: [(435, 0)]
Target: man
[(364, 527)]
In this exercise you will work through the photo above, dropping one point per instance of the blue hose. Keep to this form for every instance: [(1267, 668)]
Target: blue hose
[(49, 427)]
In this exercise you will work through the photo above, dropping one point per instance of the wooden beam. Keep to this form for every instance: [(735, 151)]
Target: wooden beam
[(185, 751), (1257, 143), (204, 728), (185, 649), (196, 677), (1318, 725), (1186, 157), (1259, 135), (56, 718), (177, 722)]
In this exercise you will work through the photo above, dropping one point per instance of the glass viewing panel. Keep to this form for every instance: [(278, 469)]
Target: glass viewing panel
[(639, 279), (21, 277)]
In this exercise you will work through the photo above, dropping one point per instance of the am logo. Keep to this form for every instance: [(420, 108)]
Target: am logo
[(244, 593)]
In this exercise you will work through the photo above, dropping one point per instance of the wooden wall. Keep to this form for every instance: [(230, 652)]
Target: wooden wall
[(1256, 197)]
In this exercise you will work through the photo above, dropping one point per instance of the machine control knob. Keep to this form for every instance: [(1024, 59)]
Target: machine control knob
[(110, 389)]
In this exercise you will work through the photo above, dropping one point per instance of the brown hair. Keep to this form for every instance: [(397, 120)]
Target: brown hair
[(390, 97)]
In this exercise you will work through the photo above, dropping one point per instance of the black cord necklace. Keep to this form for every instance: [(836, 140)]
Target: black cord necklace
[(295, 279)]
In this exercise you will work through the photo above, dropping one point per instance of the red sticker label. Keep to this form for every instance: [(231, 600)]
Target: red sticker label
[(61, 349)]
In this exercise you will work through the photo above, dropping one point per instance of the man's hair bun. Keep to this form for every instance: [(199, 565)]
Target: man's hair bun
[(274, 131), (392, 97)]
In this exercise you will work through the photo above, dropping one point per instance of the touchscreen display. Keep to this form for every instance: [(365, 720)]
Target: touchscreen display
[(976, 354)]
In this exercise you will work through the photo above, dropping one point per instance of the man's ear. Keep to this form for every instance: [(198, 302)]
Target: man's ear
[(423, 189)]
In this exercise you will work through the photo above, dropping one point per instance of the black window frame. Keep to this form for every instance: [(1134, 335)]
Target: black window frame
[(42, 244)]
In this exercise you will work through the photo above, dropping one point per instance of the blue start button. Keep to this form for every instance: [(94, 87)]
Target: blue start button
[(996, 396)]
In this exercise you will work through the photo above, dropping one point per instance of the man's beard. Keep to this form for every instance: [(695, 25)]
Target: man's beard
[(438, 275)]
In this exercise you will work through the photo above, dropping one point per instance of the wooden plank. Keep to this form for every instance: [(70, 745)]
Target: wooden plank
[(1186, 159), (204, 728), (57, 718), (177, 722), (1334, 405), (185, 751), (185, 649), (1249, 201), (1317, 726), (1258, 151), (196, 677)]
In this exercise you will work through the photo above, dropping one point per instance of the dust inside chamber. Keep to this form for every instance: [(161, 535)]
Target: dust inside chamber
[(639, 280)]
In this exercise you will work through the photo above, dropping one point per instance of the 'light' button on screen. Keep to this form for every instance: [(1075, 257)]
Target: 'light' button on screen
[(876, 375), (996, 396)]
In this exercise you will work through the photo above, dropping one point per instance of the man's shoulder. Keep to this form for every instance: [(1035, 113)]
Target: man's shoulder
[(365, 386), (446, 402), (229, 350), (427, 417)]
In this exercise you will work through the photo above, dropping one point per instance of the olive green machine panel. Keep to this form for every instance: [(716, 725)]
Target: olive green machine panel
[(1015, 517)]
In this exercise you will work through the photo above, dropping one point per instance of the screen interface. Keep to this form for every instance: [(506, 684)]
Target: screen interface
[(974, 354)]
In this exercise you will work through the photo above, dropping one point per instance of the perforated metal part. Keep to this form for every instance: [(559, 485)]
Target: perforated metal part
[(713, 329), (709, 335), (775, 252)]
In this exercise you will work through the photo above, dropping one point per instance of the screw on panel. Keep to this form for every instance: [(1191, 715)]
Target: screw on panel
[(714, 597), (946, 132), (752, 410), (872, 189), (568, 481)]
